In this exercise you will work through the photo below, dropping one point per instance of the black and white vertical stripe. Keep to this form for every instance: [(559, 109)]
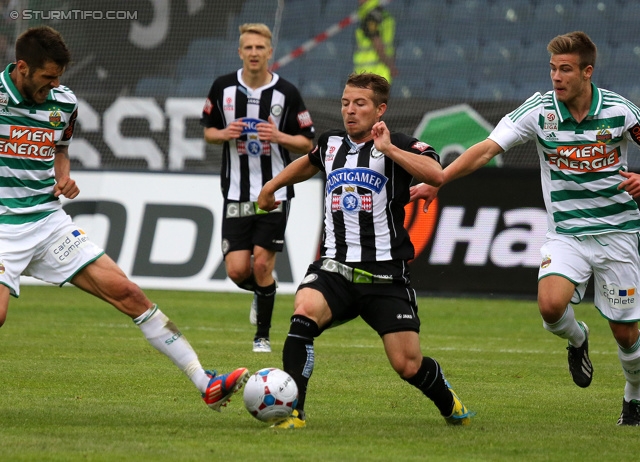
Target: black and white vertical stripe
[(369, 233), (244, 175)]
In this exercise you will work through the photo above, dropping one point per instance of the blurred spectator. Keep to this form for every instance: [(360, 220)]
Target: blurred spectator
[(374, 40)]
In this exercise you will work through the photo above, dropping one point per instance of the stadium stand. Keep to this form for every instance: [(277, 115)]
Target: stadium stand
[(154, 86)]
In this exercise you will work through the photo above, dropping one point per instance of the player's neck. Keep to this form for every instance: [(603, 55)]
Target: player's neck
[(256, 79), (580, 106)]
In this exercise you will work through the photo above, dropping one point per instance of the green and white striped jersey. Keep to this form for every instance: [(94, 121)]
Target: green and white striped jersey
[(28, 136), (580, 163)]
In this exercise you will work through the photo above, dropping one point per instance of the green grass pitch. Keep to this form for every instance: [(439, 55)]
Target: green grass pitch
[(78, 382)]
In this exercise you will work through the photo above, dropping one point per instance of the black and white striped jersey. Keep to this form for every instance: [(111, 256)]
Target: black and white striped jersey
[(247, 162), (365, 195)]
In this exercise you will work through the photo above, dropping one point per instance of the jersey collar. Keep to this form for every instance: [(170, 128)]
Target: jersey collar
[(594, 110), (9, 86), (274, 79)]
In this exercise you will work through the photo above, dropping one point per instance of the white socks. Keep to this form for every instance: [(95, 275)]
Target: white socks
[(630, 360), (568, 328), (165, 337)]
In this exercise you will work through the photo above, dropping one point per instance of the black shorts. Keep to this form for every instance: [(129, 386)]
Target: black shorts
[(386, 307), (244, 232)]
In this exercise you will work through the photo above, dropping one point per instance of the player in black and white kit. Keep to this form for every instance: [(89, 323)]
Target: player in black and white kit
[(259, 118), (363, 268)]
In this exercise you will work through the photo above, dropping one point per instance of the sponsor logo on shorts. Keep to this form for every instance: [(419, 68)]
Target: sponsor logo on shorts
[(404, 316), (620, 297), (69, 246)]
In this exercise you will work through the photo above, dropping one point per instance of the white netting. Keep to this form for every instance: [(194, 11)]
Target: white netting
[(143, 68)]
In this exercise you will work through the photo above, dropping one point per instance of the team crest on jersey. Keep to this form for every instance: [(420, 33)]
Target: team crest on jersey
[(4, 99), (604, 136), (550, 121), (2, 268), (375, 153), (276, 110), (55, 118), (253, 145), (351, 201)]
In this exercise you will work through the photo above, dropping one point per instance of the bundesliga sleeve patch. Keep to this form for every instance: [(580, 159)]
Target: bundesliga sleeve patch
[(420, 146), (304, 119), (208, 106)]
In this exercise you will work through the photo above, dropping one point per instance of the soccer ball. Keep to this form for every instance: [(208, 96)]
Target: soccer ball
[(270, 394)]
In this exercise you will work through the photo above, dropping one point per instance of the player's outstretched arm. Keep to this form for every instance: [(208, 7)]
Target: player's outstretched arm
[(422, 168), (296, 172), (469, 161)]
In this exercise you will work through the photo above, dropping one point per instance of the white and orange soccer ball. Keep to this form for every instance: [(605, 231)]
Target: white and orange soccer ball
[(270, 394)]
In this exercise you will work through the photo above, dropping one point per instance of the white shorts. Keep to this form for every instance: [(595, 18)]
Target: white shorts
[(53, 250), (613, 260)]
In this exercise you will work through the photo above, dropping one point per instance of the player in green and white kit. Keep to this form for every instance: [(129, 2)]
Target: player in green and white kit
[(581, 133), (37, 238)]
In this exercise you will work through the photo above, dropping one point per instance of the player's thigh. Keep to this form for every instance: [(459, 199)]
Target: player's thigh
[(15, 256), (617, 277), (5, 295), (339, 295), (311, 304), (564, 272), (63, 252), (389, 308), (237, 234), (270, 228)]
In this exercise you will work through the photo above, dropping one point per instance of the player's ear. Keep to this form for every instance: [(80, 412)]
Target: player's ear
[(382, 108), (23, 67)]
